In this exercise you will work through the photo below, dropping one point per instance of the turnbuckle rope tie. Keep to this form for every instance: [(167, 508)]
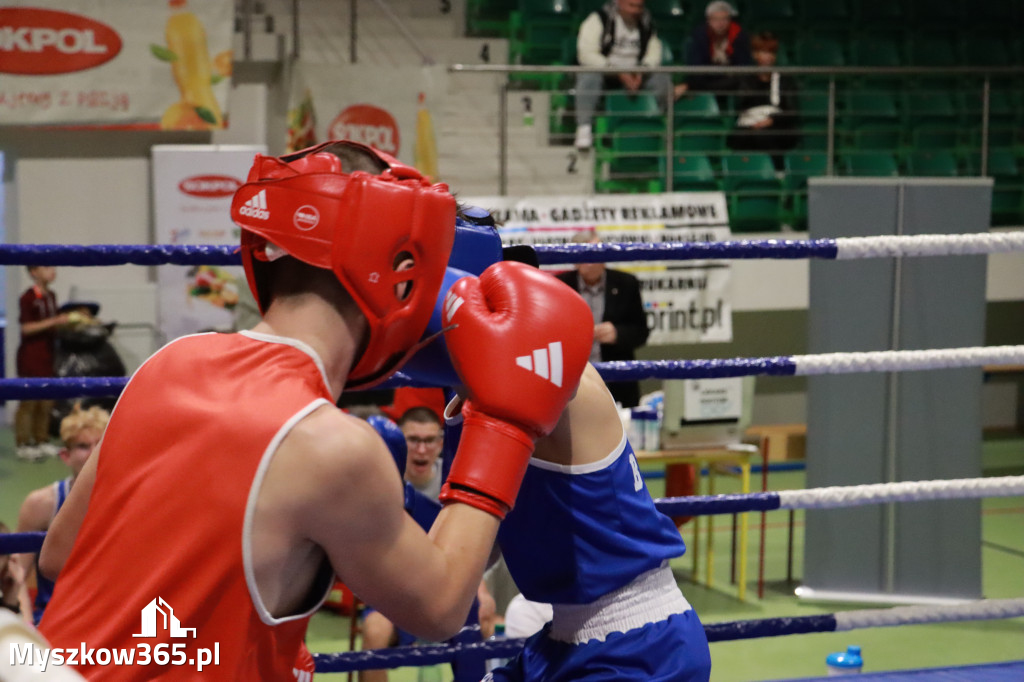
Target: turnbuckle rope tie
[(842, 248)]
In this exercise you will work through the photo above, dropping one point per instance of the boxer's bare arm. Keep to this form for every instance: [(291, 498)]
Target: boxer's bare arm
[(60, 537), (589, 428), (348, 500)]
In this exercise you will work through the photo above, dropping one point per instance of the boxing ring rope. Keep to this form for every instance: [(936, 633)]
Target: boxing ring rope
[(797, 365), (34, 388), (986, 609), (829, 497), (841, 248)]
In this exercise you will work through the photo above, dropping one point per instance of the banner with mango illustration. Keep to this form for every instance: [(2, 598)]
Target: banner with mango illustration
[(160, 64), (392, 108)]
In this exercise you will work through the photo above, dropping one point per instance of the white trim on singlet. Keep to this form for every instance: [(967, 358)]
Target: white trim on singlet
[(250, 512), (294, 343), (587, 468)]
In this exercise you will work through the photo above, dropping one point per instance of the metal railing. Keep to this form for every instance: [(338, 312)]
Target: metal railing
[(832, 77)]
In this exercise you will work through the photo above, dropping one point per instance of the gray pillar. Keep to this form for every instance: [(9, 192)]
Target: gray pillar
[(903, 426)]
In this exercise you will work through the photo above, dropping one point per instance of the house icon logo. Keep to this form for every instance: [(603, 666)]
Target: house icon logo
[(157, 613)]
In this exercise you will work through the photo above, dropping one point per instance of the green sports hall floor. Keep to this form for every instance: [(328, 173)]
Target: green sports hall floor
[(769, 658)]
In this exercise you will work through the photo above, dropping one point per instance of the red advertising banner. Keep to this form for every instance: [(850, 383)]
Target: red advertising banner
[(163, 64)]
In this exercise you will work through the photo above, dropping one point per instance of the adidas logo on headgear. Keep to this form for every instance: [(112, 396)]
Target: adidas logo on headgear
[(256, 207), (545, 362)]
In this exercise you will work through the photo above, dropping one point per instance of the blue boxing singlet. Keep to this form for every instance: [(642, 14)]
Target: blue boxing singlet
[(579, 532), (44, 586)]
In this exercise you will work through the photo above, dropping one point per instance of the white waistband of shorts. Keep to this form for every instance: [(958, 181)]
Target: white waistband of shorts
[(650, 598)]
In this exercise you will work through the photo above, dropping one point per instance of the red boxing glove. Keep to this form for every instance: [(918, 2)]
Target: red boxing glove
[(520, 343)]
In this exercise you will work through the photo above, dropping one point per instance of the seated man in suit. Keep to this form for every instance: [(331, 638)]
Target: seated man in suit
[(620, 324)]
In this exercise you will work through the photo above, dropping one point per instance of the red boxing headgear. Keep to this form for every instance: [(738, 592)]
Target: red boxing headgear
[(360, 226)]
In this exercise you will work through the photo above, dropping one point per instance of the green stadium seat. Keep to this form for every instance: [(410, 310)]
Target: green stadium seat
[(823, 51), (824, 13), (879, 12), (929, 105), (933, 163), (870, 104), (986, 51), (935, 13), (770, 11), (925, 50), (696, 105), (1008, 193), (813, 108), (629, 141), (870, 121), (704, 137), (869, 51), (800, 166), (753, 191), (538, 29), (933, 136), (489, 18), (869, 164), (692, 173)]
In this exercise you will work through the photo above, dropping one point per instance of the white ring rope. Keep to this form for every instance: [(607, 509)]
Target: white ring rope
[(986, 609), (906, 491), (848, 248), (903, 360)]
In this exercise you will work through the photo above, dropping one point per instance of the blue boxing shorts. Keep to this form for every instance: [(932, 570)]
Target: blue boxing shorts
[(670, 650)]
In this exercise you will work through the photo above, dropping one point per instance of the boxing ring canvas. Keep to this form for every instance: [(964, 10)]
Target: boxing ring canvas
[(873, 428)]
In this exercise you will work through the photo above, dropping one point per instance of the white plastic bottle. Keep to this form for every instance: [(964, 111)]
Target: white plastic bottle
[(499, 633)]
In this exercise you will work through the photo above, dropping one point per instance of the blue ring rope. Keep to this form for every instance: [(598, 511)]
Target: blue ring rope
[(34, 388), (693, 505), (547, 254), (431, 655), (118, 254)]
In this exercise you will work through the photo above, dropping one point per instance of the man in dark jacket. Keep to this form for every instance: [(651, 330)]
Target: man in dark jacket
[(620, 323)]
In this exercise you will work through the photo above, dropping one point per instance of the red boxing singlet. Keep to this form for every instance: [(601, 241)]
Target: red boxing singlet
[(164, 554)]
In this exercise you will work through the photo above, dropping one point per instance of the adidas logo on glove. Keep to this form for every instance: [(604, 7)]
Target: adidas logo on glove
[(545, 362)]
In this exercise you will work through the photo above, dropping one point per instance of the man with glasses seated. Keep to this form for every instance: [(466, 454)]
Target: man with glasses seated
[(424, 436)]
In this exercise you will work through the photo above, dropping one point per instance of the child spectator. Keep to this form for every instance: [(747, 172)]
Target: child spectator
[(39, 319)]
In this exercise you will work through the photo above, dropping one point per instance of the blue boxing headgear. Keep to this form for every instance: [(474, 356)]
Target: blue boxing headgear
[(477, 246)]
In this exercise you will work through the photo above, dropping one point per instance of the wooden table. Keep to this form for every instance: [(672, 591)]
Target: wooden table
[(738, 454)]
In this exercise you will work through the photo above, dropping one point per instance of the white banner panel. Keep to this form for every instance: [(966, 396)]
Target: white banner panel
[(686, 302), (192, 190), (113, 62)]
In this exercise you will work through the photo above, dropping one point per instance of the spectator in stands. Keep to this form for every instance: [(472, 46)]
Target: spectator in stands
[(768, 118), (80, 432), (720, 41), (39, 320), (620, 323), (619, 34)]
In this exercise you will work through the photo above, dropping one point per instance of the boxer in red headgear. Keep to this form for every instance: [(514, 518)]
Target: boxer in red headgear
[(229, 490)]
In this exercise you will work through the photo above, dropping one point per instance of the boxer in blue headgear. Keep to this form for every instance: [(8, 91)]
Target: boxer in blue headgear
[(584, 508), (477, 245)]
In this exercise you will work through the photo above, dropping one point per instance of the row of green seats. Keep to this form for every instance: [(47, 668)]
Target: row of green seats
[(759, 196)]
